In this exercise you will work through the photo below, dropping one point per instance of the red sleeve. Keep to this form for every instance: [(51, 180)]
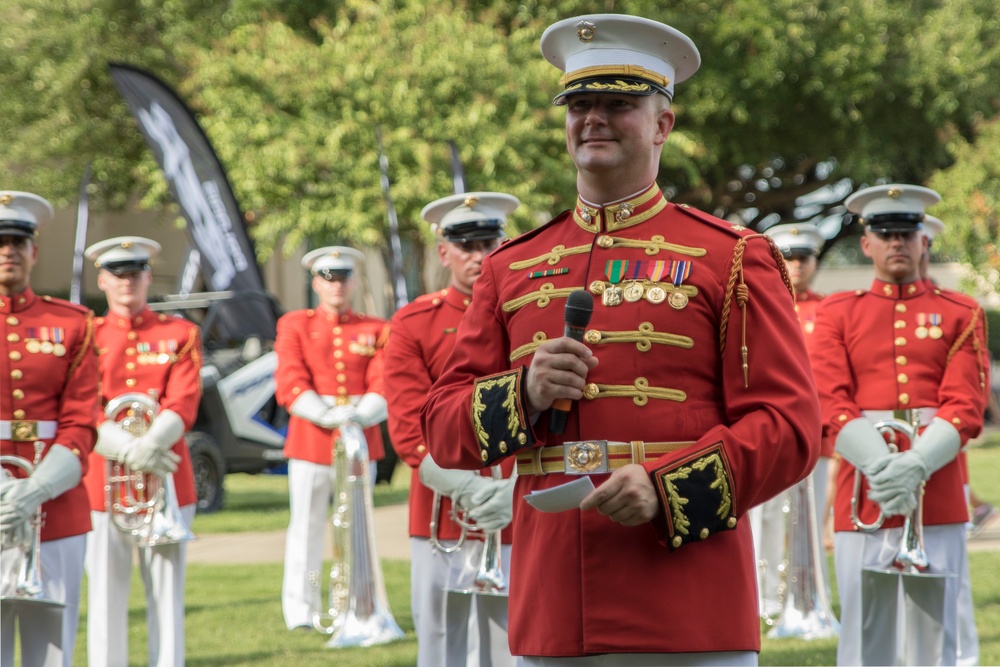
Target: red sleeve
[(830, 360), (374, 382), (182, 392), (962, 394), (79, 405), (407, 383), (291, 377)]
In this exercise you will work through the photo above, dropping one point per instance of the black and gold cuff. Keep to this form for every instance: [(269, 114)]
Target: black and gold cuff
[(499, 414)]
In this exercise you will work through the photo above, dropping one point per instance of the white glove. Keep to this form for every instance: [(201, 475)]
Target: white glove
[(147, 456), (56, 474), (936, 447), (339, 415), (166, 429), (372, 409), (459, 485), (113, 441), (902, 504), (492, 507), (862, 445), (311, 407)]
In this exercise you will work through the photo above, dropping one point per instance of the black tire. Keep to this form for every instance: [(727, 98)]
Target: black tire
[(209, 471)]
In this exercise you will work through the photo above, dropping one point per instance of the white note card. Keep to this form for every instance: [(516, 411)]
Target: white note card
[(561, 498)]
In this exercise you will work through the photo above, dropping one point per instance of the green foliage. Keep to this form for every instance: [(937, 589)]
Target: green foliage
[(791, 96)]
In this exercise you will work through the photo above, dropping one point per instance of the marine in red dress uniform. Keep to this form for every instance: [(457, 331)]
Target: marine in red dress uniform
[(159, 356), (899, 349), (330, 362), (47, 408), (682, 393), (422, 335)]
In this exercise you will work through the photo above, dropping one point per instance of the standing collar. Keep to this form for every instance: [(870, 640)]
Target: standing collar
[(143, 317), (613, 216), (898, 291), (17, 302), (456, 298)]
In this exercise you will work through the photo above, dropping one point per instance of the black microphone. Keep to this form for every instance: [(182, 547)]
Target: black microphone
[(579, 308)]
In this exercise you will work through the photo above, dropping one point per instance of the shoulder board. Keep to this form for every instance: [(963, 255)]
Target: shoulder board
[(510, 243), (733, 228), (83, 310), (957, 297)]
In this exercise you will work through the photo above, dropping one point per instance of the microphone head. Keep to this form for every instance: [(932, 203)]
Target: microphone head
[(579, 308)]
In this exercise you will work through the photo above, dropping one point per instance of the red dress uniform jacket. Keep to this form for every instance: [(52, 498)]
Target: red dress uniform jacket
[(48, 374), (581, 584), (158, 355), (333, 355), (422, 335), (898, 347), (806, 304)]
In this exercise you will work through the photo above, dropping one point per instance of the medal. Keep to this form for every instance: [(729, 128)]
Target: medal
[(656, 294), (935, 331), (634, 292), (59, 349), (679, 272), (58, 337), (32, 346), (921, 330), (612, 296), (678, 300), (47, 347), (615, 270)]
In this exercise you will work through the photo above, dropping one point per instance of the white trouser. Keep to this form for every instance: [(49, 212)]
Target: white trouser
[(109, 577), (432, 573), (767, 524), (945, 547), (310, 489), (707, 659), (968, 636), (42, 642)]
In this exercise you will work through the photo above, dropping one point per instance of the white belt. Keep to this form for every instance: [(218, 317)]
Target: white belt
[(27, 430), (926, 415), (339, 400)]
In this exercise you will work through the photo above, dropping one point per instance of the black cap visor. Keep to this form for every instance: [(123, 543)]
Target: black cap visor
[(886, 223), (126, 267), (21, 228), (334, 274), (477, 230), (619, 85)]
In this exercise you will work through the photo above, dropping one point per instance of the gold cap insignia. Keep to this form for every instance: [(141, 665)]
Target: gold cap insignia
[(586, 30), (894, 193), (5, 200), (794, 231), (470, 202)]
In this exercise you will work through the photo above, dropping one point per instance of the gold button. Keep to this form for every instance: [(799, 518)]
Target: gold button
[(887, 290), (341, 377), (902, 379), (12, 321), (17, 393), (899, 324), (859, 292), (130, 366), (16, 374), (911, 289), (732, 522), (900, 307), (901, 360), (522, 438), (338, 341), (503, 447), (842, 418), (130, 351), (161, 317), (131, 335), (435, 301), (904, 399), (704, 533), (337, 330), (13, 338), (296, 391), (339, 365), (466, 302), (130, 382), (338, 354), (15, 356), (677, 541), (597, 287), (138, 320), (342, 391), (900, 341), (591, 391), (592, 336), (484, 455), (19, 414), (605, 241), (421, 449), (956, 421)]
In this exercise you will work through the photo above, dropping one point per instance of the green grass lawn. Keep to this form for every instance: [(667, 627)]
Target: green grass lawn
[(234, 613)]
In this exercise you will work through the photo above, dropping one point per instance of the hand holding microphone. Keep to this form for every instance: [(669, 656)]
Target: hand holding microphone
[(579, 309)]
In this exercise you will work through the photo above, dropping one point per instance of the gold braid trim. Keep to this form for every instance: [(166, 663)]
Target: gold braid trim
[(654, 245), (552, 257), (970, 330), (615, 70), (640, 392), (507, 382), (643, 337), (543, 296), (743, 296), (192, 339), (528, 348), (86, 347)]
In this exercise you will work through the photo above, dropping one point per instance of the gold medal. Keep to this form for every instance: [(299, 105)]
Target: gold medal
[(59, 350), (597, 287), (634, 292), (47, 347), (935, 332), (920, 332), (612, 296), (32, 346), (678, 300), (656, 294)]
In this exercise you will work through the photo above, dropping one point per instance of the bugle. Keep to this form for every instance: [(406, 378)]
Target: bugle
[(892, 428), (142, 505), (21, 572), (358, 613)]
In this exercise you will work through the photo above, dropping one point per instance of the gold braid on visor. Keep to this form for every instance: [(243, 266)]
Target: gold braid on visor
[(632, 71)]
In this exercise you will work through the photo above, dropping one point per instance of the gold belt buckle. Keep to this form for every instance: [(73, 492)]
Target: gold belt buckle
[(24, 430), (343, 400), (585, 457)]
